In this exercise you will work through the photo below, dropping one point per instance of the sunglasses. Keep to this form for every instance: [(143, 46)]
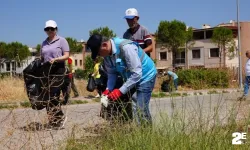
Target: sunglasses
[(49, 29)]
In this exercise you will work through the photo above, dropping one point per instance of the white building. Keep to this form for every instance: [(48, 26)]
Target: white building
[(14, 67)]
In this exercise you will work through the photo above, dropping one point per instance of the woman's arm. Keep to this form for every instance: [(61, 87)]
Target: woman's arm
[(62, 58)]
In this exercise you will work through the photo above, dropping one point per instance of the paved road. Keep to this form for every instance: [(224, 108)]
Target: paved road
[(12, 136)]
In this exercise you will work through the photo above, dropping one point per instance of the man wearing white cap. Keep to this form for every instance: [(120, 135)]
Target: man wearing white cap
[(137, 32)]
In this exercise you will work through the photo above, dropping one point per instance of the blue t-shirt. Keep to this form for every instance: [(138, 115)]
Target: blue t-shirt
[(172, 74)]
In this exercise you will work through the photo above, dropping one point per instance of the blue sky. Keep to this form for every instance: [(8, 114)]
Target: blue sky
[(23, 20)]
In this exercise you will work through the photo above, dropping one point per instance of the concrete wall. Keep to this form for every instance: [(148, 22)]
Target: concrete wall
[(234, 61), (78, 57), (204, 60), (163, 63), (211, 62), (194, 61)]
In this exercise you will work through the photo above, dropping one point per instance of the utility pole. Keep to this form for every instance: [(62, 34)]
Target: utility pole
[(239, 48)]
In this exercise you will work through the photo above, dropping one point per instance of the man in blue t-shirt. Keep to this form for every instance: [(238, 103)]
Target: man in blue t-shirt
[(174, 77)]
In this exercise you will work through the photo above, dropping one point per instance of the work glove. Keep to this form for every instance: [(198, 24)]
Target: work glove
[(106, 92), (115, 94), (70, 75)]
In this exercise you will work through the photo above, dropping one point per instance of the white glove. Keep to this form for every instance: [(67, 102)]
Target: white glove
[(104, 100)]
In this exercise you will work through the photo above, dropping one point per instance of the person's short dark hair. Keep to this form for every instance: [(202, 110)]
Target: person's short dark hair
[(94, 44)]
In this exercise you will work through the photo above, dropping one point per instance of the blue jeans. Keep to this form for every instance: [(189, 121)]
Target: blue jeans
[(176, 84), (246, 85), (141, 99)]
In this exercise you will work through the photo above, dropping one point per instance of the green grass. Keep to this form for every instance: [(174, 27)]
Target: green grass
[(175, 94), (25, 104), (212, 92), (166, 135), (162, 94), (96, 100), (159, 94), (8, 106), (181, 131), (76, 102), (184, 94)]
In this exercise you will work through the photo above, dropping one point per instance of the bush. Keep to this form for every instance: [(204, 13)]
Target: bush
[(203, 78), (80, 74), (2, 75)]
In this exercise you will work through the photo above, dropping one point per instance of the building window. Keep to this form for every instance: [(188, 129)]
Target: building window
[(7, 66), (80, 62), (209, 34), (18, 64), (198, 35), (2, 65), (180, 57), (214, 52), (76, 62), (163, 56), (196, 53), (13, 65)]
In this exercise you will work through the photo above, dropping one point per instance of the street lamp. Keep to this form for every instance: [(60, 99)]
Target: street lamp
[(239, 47)]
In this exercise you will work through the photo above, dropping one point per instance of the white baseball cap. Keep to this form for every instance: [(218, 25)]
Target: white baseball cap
[(50, 23), (131, 13)]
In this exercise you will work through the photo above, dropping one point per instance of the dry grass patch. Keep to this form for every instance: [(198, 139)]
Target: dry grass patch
[(13, 89), (81, 87)]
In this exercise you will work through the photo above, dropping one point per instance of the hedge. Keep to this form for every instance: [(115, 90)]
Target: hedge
[(203, 78)]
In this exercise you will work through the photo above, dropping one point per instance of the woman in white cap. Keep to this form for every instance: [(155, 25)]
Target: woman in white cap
[(54, 52)]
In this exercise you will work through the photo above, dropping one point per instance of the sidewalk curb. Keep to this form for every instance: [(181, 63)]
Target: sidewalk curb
[(194, 93), (155, 96)]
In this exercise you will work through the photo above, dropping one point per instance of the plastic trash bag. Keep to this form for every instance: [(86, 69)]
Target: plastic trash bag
[(91, 84), (33, 84), (36, 77), (165, 86)]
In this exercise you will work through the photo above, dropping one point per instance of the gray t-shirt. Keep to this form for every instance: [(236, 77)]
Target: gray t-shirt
[(141, 36), (54, 49)]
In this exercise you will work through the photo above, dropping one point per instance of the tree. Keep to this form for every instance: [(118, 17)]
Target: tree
[(38, 48), (173, 35), (74, 46), (17, 51), (223, 37), (105, 31), (2, 52), (2, 49)]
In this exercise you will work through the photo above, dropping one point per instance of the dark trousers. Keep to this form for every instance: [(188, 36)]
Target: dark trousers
[(54, 82), (73, 86), (246, 85), (176, 84)]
